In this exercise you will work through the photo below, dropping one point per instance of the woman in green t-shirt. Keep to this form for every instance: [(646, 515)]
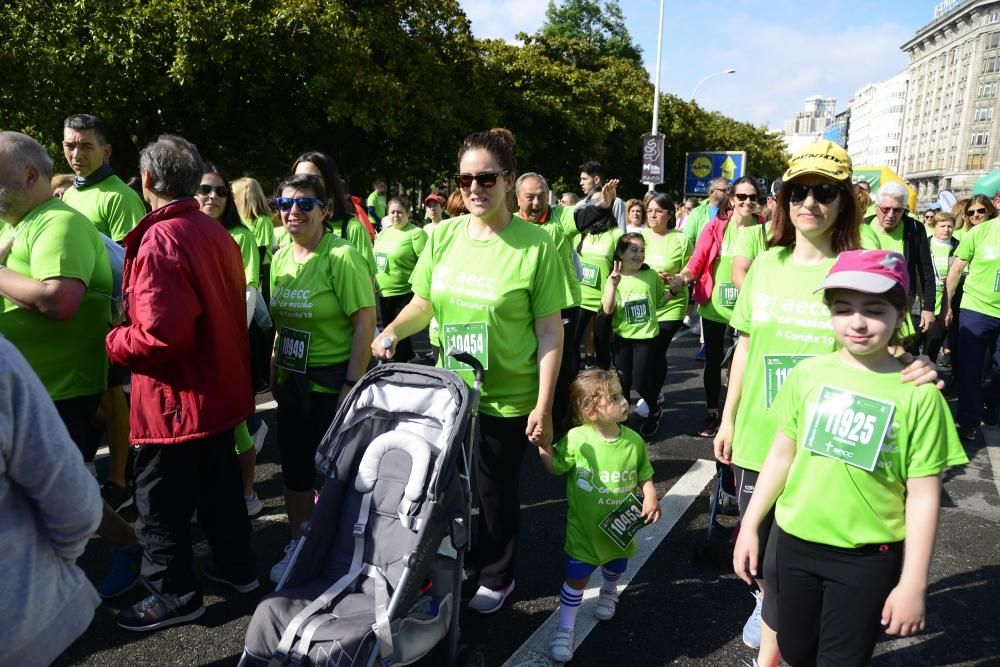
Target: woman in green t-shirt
[(215, 197), (781, 321), (496, 286), (711, 271), (251, 204), (397, 249), (323, 308)]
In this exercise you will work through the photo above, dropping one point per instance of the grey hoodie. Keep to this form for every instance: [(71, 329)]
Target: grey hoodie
[(49, 507)]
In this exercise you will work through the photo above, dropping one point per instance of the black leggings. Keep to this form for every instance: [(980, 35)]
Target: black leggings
[(715, 351), (568, 368), (830, 600), (390, 307), (635, 360), (667, 332), (602, 335)]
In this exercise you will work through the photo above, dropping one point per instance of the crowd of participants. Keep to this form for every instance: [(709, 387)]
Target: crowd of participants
[(196, 292)]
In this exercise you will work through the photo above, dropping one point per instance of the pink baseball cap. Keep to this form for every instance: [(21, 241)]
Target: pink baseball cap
[(871, 271)]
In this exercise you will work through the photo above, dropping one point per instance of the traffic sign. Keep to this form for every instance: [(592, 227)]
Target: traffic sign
[(702, 167)]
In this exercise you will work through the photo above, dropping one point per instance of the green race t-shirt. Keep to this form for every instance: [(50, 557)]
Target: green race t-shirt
[(599, 476), (892, 240), (720, 306), (828, 501), (396, 253), (248, 251), (637, 301), (378, 202), (786, 322), (110, 204), (263, 234), (281, 239), (561, 228), (941, 259), (596, 256), (869, 240), (980, 247), (669, 253), (312, 301), (55, 241), (753, 241), (486, 296), (357, 236)]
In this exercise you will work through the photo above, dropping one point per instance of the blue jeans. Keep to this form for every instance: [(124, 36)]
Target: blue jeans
[(977, 333)]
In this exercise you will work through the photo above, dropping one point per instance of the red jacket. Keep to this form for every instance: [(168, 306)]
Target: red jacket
[(185, 338), (706, 251), (361, 214)]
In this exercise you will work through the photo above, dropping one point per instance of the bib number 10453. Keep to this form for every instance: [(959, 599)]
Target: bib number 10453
[(849, 427)]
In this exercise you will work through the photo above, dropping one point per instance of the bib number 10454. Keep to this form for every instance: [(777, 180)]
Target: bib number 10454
[(472, 338)]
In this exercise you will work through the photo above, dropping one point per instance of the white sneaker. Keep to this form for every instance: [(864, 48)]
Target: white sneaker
[(258, 436), (607, 602), (489, 601), (751, 629), (254, 506), (641, 408), (561, 645), (661, 399), (279, 568)]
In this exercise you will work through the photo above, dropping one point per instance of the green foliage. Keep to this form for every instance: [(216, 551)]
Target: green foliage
[(388, 87)]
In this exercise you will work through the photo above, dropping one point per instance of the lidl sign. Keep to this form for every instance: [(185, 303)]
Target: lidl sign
[(700, 168)]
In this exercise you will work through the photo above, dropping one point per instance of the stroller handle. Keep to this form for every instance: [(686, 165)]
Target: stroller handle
[(467, 358)]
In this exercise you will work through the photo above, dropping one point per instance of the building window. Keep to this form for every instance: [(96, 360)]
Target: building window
[(994, 16), (991, 64), (983, 114), (976, 162), (987, 90), (993, 40), (981, 138)]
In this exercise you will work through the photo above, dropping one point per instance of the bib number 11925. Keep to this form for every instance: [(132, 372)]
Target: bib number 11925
[(849, 427)]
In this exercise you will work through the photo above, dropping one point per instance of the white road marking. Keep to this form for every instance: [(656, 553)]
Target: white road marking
[(535, 651)]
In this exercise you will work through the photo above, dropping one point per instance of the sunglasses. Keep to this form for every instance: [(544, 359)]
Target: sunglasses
[(220, 190), (740, 196), (824, 193), (975, 211), (487, 179), (895, 210), (305, 204)]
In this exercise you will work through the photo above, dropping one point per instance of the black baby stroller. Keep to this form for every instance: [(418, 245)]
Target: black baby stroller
[(723, 497), (376, 578)]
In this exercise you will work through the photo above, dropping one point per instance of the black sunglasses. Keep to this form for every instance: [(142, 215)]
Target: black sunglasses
[(220, 190), (975, 211), (487, 179), (740, 196), (824, 193), (305, 204)]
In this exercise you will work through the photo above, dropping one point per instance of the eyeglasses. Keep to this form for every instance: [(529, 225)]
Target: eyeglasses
[(975, 211), (305, 204), (487, 179), (824, 193), (895, 210), (726, 190), (220, 191), (740, 196)]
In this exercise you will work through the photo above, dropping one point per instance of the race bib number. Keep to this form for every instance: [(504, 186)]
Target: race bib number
[(589, 274), (727, 294), (472, 338), (636, 312), (848, 427), (293, 350), (623, 522), (996, 283), (381, 262), (776, 370)]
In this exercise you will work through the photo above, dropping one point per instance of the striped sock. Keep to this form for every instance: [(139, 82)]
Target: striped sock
[(610, 583), (569, 605)]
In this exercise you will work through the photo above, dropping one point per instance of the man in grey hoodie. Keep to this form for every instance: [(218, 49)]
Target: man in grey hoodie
[(50, 505)]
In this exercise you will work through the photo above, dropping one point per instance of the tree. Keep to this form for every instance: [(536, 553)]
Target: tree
[(600, 24)]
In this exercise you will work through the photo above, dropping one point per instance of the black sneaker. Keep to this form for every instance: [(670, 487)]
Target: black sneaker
[(588, 363), (710, 427), (968, 434), (151, 614), (991, 415), (119, 497), (651, 424), (213, 572), (944, 361)]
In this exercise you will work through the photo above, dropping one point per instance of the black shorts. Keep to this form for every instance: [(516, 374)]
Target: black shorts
[(299, 436), (77, 414)]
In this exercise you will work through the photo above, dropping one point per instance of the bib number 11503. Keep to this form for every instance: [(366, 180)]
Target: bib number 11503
[(849, 427)]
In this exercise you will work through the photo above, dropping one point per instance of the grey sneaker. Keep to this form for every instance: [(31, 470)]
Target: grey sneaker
[(751, 629), (488, 601)]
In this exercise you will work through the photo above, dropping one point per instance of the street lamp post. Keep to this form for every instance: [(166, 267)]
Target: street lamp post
[(656, 86), (695, 91)]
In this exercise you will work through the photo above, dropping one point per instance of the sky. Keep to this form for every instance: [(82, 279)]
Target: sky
[(782, 50)]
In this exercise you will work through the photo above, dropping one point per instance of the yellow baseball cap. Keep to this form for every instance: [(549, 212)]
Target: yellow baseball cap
[(824, 158)]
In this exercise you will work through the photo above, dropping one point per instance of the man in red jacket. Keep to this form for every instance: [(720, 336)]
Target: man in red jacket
[(186, 343)]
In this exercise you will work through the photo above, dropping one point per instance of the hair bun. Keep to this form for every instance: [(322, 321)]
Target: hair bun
[(506, 135)]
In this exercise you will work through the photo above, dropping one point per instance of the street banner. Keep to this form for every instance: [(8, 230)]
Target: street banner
[(652, 159), (700, 168)]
